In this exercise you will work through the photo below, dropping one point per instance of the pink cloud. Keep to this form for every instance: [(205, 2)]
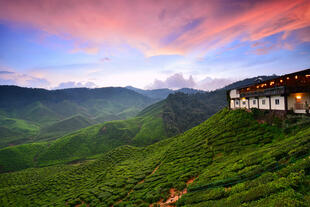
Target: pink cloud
[(145, 24)]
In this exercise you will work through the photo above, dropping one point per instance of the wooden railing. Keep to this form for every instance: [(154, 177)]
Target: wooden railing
[(300, 106)]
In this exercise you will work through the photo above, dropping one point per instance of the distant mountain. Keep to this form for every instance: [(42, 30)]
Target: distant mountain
[(160, 94), (43, 110), (174, 115)]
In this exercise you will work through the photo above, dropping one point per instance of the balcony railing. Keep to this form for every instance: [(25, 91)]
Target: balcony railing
[(264, 92), (300, 106)]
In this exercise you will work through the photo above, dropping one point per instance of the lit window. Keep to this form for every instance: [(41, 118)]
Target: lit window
[(264, 102), (277, 101)]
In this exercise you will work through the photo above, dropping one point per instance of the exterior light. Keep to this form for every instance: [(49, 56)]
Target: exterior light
[(296, 76), (257, 86), (281, 81), (298, 97), (243, 99), (287, 78)]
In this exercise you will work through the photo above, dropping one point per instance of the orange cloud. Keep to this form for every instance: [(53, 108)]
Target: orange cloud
[(160, 27)]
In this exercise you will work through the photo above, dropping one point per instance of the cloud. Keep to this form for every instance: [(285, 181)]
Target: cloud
[(72, 84), (177, 81), (160, 27), (6, 72), (105, 59), (15, 78), (210, 84), (87, 50)]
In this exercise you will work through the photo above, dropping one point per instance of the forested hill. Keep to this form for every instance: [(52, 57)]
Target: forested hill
[(160, 94), (170, 117), (229, 160), (15, 96), (30, 114)]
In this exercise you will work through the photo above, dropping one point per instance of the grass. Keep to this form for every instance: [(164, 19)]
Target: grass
[(235, 162)]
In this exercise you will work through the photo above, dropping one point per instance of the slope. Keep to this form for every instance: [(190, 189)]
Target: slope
[(46, 108), (65, 126), (178, 113), (160, 94), (229, 160), (11, 131)]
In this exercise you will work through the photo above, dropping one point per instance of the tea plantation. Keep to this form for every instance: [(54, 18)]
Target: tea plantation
[(229, 160)]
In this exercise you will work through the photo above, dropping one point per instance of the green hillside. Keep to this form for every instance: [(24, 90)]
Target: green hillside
[(178, 113), (49, 112), (142, 130), (16, 131), (229, 160), (65, 126)]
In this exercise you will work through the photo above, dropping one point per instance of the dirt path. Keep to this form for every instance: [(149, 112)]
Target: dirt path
[(175, 195)]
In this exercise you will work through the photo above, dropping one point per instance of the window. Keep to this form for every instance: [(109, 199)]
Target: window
[(264, 102), (254, 102), (243, 103), (277, 101), (237, 102)]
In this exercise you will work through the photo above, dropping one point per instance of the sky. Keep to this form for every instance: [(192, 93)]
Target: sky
[(150, 44)]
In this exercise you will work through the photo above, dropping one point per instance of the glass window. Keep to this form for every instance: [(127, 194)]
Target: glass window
[(254, 102), (264, 102), (277, 101)]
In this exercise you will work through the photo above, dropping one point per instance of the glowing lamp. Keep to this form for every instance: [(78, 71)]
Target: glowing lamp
[(298, 97), (296, 76), (281, 81), (288, 78)]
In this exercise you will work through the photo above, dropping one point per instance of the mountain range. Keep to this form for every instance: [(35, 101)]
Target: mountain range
[(182, 148)]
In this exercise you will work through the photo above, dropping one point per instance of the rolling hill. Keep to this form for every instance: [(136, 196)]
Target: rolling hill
[(54, 113), (170, 117), (154, 123), (231, 159)]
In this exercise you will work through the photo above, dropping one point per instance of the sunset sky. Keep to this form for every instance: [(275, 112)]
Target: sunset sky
[(150, 43)]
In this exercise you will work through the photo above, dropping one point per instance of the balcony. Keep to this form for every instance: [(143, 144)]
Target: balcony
[(264, 92)]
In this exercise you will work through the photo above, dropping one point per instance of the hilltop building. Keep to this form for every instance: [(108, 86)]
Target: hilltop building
[(289, 92)]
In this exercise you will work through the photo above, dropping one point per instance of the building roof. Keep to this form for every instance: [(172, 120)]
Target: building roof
[(298, 73)]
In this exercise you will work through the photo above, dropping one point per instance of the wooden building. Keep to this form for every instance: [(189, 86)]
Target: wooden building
[(289, 92)]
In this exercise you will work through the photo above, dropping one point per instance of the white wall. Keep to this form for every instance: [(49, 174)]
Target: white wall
[(252, 105), (232, 104), (264, 106), (234, 94), (280, 106)]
